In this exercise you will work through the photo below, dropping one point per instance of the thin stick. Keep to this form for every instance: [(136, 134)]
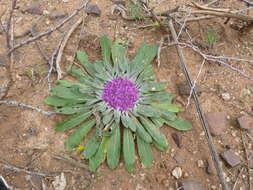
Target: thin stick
[(199, 109), (203, 7), (63, 45), (13, 102), (224, 14), (215, 59), (15, 169), (237, 179), (71, 161), (248, 2), (211, 3), (159, 51), (49, 31), (247, 159), (32, 31), (13, 6), (194, 83)]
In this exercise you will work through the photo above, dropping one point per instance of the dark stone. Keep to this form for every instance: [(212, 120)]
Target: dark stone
[(217, 122), (178, 139), (190, 185), (57, 15), (93, 9), (245, 122), (120, 2), (231, 158), (34, 9), (184, 89)]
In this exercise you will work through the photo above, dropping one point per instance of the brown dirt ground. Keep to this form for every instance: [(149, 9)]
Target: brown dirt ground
[(28, 140)]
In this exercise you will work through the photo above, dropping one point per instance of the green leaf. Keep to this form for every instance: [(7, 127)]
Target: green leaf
[(128, 122), (66, 83), (159, 138), (167, 115), (145, 54), (168, 107), (157, 86), (106, 44), (159, 147), (128, 150), (107, 118), (100, 155), (141, 131), (72, 109), (117, 116), (82, 57), (67, 93), (76, 137), (180, 124), (91, 146), (148, 111), (72, 121), (118, 55), (78, 73), (57, 101), (145, 152), (158, 121), (160, 97), (113, 154)]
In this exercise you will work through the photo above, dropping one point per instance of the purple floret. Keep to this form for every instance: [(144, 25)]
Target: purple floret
[(120, 94)]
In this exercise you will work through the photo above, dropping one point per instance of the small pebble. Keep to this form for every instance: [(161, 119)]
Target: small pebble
[(226, 96), (200, 163), (245, 122), (177, 139), (217, 122), (231, 158), (177, 172)]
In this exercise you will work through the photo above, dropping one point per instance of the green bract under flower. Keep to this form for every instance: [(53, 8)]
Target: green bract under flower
[(113, 99)]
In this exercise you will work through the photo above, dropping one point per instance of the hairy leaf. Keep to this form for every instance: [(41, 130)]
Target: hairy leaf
[(128, 150), (113, 154), (58, 101), (100, 155), (148, 111), (145, 152), (141, 131), (106, 44), (72, 121), (168, 107), (159, 138), (76, 137), (91, 146), (180, 124)]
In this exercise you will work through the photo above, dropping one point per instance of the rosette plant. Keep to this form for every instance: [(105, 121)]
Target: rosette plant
[(116, 104)]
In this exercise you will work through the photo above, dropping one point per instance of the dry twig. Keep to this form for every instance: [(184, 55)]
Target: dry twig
[(15, 169), (71, 161), (194, 83), (247, 158), (49, 31), (217, 59), (62, 46), (51, 63), (238, 177), (9, 23), (199, 108), (159, 51), (28, 106)]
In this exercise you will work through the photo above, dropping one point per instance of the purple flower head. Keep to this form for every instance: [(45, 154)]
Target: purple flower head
[(120, 94)]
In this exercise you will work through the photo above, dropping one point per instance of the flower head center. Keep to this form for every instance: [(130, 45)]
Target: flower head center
[(120, 93)]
